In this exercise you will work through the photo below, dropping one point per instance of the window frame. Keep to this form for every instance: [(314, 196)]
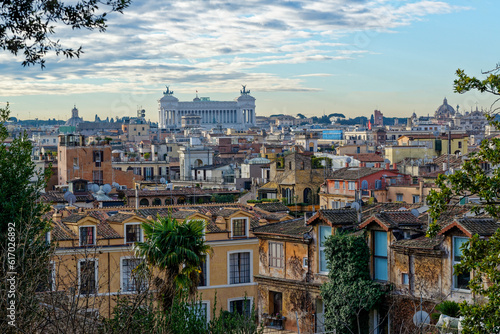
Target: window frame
[(141, 232), (453, 263), (93, 235), (236, 299), (399, 198), (322, 249), (247, 223), (96, 273), (207, 274), (386, 257), (351, 185), (229, 253), (276, 261), (128, 257)]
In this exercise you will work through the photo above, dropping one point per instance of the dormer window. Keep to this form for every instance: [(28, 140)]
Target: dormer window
[(133, 233), (87, 235), (239, 227)]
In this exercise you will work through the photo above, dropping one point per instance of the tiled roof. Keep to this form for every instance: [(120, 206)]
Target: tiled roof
[(61, 232), (74, 218), (482, 226), (353, 173), (183, 214), (394, 219), (419, 243), (367, 157), (120, 217), (336, 217), (227, 212), (292, 228), (273, 207)]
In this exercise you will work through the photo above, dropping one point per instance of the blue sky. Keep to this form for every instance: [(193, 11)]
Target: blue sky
[(309, 57)]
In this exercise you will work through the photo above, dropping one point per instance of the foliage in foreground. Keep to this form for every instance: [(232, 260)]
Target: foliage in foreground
[(24, 252), (478, 255), (350, 292), (27, 26), (176, 251), (186, 316)]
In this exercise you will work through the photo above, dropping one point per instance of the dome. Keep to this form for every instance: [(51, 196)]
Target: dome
[(445, 109)]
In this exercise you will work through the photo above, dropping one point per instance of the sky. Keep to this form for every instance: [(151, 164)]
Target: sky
[(303, 56)]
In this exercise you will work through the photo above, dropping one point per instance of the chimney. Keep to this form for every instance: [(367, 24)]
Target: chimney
[(394, 166), (377, 165), (57, 215), (347, 164), (387, 166), (362, 164)]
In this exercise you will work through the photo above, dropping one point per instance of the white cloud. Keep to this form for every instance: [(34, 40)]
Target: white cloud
[(216, 44)]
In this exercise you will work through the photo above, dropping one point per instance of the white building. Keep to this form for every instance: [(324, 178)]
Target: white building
[(237, 114)]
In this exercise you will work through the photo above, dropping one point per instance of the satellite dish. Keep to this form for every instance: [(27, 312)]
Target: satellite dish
[(115, 185), (246, 161), (95, 188), (387, 161), (402, 209), (355, 206), (162, 180), (70, 197), (348, 160), (67, 194), (106, 188), (415, 212), (421, 318)]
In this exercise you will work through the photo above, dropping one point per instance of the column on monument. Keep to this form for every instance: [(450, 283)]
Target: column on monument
[(225, 116)]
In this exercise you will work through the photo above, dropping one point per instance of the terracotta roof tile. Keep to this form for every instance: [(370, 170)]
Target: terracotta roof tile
[(292, 228), (273, 207)]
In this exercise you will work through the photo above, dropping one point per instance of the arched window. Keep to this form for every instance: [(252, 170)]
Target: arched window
[(307, 196), (169, 201), (144, 202), (157, 201), (364, 185)]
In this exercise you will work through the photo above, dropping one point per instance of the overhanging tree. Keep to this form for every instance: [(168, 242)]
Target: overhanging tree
[(24, 252), (350, 293), (481, 256), (28, 26)]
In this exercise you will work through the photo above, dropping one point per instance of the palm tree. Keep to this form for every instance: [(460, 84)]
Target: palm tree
[(175, 251)]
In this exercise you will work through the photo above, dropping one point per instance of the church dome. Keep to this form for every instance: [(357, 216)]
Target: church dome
[(445, 110)]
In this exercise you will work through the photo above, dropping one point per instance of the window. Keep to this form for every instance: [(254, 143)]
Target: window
[(87, 278), (97, 177), (351, 185), (305, 262), (416, 198), (276, 256), (378, 184), (337, 184), (75, 163), (204, 273), (137, 170), (87, 235), (202, 310), (148, 173), (335, 205), (459, 144), (240, 306), (324, 232), (130, 282), (133, 233), (460, 281), (239, 227), (98, 158), (405, 279), (364, 184), (399, 197), (380, 255), (239, 268)]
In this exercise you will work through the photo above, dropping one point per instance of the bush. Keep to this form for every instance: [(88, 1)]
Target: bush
[(447, 307)]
